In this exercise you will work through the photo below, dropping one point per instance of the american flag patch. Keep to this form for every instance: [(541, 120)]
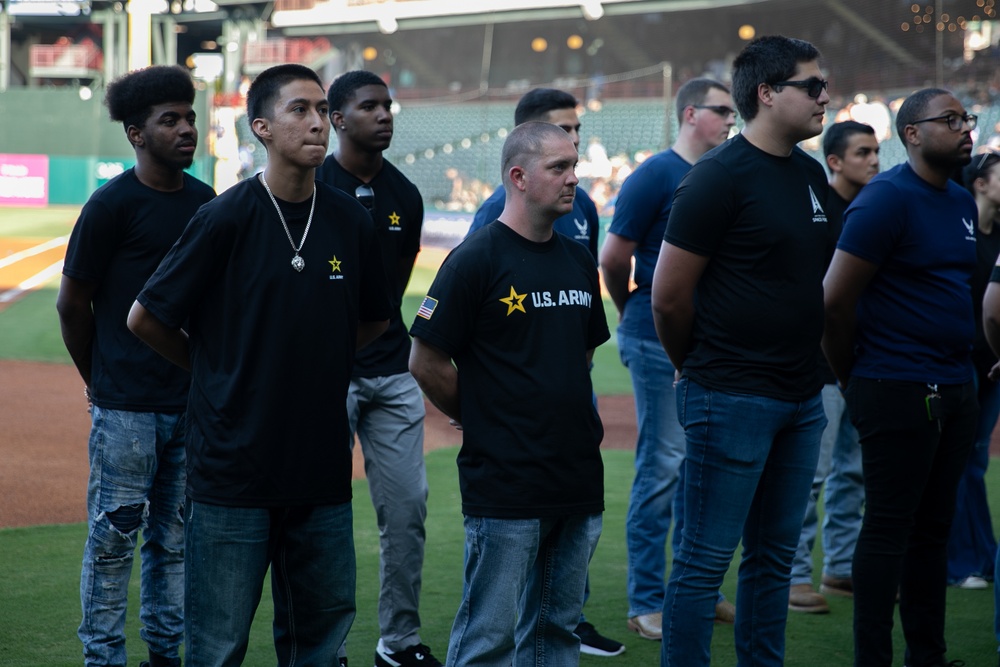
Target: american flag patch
[(426, 308)]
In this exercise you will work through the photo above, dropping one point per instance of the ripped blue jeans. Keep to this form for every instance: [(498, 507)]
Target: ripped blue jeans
[(136, 482)]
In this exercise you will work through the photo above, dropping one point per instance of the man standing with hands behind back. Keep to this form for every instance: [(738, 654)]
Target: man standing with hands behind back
[(384, 406), (899, 334)]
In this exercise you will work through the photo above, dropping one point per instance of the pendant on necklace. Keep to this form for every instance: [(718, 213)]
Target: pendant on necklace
[(298, 263)]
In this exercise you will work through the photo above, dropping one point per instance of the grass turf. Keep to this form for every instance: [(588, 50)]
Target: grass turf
[(40, 579)]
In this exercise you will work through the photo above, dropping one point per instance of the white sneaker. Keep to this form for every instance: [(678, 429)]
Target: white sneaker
[(973, 583)]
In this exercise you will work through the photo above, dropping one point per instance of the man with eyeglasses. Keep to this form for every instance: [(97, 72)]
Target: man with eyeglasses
[(737, 301), (705, 116), (385, 406), (899, 334)]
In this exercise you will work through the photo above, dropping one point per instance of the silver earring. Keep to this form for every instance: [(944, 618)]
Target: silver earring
[(343, 127)]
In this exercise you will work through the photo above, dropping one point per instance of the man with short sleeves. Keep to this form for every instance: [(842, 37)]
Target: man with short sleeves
[(137, 398), (899, 335), (851, 152), (281, 282), (738, 306), (510, 324), (385, 406), (705, 116)]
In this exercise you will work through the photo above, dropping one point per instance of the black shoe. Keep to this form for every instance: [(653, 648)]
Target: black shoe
[(593, 642), (156, 660), (418, 655), (342, 661)]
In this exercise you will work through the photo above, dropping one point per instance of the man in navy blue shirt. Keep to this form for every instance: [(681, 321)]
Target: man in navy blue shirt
[(559, 108), (705, 115), (898, 336)]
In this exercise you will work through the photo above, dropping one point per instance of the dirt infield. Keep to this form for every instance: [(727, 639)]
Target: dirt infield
[(43, 442)]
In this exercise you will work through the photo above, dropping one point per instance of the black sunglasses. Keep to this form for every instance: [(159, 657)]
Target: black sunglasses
[(366, 196), (954, 121), (813, 86), (723, 111)]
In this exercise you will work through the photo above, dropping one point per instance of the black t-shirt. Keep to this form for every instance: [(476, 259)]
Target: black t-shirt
[(759, 303), (271, 348), (122, 234), (987, 249), (399, 216), (518, 318)]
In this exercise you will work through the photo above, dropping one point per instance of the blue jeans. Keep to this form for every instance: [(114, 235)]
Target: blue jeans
[(912, 467), (388, 415), (523, 592), (136, 482), (972, 547), (659, 453), (839, 468), (310, 551), (749, 466)]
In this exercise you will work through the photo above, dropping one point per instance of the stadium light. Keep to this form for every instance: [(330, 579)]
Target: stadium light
[(592, 9)]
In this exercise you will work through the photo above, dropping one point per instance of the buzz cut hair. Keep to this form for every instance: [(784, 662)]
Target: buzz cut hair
[(914, 107), (344, 86), (839, 135), (536, 104), (524, 145), (265, 89), (130, 98)]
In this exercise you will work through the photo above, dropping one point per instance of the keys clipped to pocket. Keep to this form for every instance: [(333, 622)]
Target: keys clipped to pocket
[(934, 405)]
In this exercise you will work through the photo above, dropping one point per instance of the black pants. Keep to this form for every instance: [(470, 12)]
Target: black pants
[(912, 465)]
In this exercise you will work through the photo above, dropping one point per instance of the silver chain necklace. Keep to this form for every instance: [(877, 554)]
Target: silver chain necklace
[(297, 262)]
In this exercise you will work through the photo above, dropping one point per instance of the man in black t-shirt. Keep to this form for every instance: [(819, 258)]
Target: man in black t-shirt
[(273, 335), (738, 306), (385, 406), (137, 398), (510, 324)]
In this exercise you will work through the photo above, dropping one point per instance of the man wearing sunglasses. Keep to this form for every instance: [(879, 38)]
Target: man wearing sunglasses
[(705, 116), (899, 331), (385, 406), (737, 300)]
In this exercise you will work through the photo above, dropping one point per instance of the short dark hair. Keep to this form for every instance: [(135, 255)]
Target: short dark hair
[(267, 85), (767, 59), (981, 163), (694, 92), (914, 107), (537, 103), (130, 98), (344, 86), (526, 140), (839, 135)]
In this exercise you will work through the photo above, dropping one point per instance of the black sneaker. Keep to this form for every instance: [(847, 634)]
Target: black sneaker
[(593, 642), (342, 661), (418, 655)]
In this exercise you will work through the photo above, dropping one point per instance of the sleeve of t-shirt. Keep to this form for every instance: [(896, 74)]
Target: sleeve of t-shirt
[(637, 208), (93, 242), (593, 220), (703, 208), (453, 303), (175, 286), (488, 212), (874, 222)]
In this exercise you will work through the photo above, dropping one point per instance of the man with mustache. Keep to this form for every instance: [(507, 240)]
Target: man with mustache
[(899, 333)]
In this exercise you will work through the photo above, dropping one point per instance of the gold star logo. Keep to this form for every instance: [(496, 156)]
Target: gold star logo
[(515, 301), (394, 219), (335, 263)]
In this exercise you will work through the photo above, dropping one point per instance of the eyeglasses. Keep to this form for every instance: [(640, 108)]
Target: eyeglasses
[(723, 111), (366, 196), (813, 86), (954, 121)]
